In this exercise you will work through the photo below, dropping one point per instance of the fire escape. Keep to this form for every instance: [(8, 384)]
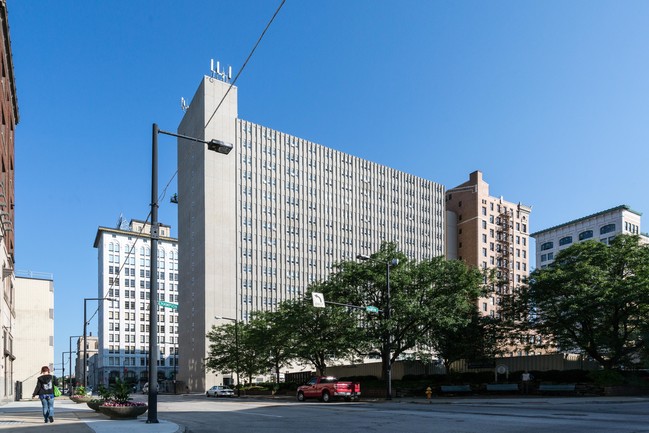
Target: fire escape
[(504, 254)]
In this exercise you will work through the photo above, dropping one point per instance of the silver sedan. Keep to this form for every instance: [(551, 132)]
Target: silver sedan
[(219, 391)]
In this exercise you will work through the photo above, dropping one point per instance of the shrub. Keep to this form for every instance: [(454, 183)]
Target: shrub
[(120, 392), (607, 377), (103, 392)]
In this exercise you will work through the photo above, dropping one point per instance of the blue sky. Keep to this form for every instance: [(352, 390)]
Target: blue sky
[(547, 98)]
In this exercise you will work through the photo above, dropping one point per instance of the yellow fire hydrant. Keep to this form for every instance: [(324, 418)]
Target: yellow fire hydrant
[(429, 392)]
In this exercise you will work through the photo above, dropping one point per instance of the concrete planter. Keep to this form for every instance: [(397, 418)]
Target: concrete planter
[(81, 398), (94, 404), (123, 412)]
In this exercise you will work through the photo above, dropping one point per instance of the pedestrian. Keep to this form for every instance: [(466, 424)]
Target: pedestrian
[(45, 391)]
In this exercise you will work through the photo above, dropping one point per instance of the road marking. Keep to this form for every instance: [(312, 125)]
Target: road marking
[(264, 414)]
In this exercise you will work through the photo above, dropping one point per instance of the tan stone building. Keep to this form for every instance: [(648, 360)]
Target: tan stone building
[(33, 344), (489, 233), (92, 349)]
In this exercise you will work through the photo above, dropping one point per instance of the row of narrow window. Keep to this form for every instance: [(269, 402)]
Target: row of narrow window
[(586, 234)]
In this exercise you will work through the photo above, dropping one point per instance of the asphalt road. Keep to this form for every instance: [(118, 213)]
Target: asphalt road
[(501, 415)]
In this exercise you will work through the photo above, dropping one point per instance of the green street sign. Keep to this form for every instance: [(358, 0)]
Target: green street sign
[(372, 309), (168, 305)]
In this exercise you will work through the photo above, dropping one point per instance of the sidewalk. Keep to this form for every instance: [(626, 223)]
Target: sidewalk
[(70, 417)]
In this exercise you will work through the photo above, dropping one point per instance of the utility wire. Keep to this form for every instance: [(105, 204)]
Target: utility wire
[(119, 272), (208, 122), (131, 251), (246, 62), (164, 191)]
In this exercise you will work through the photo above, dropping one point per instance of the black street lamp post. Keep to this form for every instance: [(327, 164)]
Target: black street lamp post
[(70, 360), (213, 145), (388, 336), (85, 328), (387, 343), (70, 374)]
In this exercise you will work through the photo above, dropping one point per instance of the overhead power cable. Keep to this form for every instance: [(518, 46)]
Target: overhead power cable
[(246, 62)]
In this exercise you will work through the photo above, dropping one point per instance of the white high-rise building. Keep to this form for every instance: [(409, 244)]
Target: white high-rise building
[(601, 226), (124, 274), (260, 224)]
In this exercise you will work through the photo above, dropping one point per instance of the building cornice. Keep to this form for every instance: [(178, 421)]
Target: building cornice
[(142, 235), (621, 207)]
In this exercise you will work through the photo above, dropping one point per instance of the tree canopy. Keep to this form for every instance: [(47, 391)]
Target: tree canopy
[(594, 298), (233, 347), (425, 297), (319, 335)]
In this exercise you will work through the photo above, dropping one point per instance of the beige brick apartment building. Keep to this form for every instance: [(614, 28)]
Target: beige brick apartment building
[(489, 233)]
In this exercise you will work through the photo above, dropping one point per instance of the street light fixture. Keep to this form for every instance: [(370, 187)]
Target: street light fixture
[(387, 343), (213, 145), (236, 347), (70, 360)]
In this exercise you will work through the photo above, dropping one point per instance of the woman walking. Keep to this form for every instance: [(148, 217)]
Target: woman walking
[(45, 391)]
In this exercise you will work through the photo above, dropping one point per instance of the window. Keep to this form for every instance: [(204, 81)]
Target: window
[(544, 257), (607, 229), (547, 246), (565, 240), (585, 235)]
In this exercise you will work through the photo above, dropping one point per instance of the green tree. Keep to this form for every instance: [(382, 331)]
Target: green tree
[(233, 348), (318, 335), (424, 297), (474, 340), (275, 337), (593, 298)]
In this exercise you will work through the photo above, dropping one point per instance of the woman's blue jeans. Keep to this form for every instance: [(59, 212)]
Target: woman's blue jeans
[(48, 406)]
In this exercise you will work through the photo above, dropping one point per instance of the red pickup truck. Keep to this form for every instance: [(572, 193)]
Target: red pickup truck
[(327, 387)]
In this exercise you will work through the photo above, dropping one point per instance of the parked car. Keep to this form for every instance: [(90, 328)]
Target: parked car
[(145, 388), (219, 391), (326, 388)]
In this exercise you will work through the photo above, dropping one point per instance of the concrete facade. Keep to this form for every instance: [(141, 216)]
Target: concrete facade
[(601, 226), (124, 274), (258, 225), (489, 233), (34, 330)]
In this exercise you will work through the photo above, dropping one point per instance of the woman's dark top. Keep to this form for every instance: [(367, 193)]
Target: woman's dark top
[(44, 387)]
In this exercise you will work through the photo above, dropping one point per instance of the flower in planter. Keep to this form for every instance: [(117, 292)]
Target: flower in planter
[(113, 403)]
